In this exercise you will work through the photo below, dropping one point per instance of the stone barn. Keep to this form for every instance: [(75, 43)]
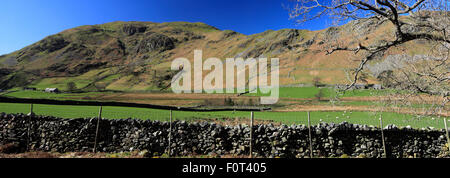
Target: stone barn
[(360, 86), (29, 88), (377, 87), (52, 90)]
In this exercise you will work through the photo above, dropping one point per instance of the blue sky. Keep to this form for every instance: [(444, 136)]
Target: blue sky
[(23, 22)]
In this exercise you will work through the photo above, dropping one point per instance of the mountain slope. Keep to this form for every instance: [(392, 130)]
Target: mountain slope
[(137, 55)]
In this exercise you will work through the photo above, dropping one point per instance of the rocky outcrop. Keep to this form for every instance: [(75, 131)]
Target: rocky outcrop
[(228, 33), (131, 29), (285, 39), (362, 27), (52, 43), (329, 140), (155, 42), (5, 71), (45, 46)]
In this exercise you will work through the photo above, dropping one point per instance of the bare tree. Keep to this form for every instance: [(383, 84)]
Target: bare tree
[(412, 20), (316, 81), (71, 86)]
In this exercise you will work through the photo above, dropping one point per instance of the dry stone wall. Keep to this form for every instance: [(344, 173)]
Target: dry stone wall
[(45, 133)]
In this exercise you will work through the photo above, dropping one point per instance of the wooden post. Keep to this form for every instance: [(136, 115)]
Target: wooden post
[(446, 131), (251, 134), (31, 108), (382, 136), (29, 126), (96, 130), (310, 136), (170, 132)]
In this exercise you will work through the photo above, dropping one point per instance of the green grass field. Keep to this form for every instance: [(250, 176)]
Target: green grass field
[(368, 118), (35, 94), (310, 92), (44, 95), (80, 81), (285, 92)]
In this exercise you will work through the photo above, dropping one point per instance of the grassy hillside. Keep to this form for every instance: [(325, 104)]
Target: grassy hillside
[(136, 56)]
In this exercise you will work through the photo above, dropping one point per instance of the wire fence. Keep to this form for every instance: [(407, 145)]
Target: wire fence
[(250, 118)]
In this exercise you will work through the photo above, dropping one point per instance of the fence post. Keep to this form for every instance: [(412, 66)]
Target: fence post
[(382, 136), (31, 108), (446, 131), (251, 134), (30, 115), (310, 136), (96, 130), (170, 132)]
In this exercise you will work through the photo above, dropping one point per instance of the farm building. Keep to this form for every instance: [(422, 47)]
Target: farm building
[(51, 90), (360, 86), (377, 87), (29, 88), (340, 86)]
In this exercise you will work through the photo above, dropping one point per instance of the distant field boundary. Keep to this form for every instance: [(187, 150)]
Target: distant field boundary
[(122, 104)]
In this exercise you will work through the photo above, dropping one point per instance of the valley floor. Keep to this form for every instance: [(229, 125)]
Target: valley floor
[(356, 106)]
